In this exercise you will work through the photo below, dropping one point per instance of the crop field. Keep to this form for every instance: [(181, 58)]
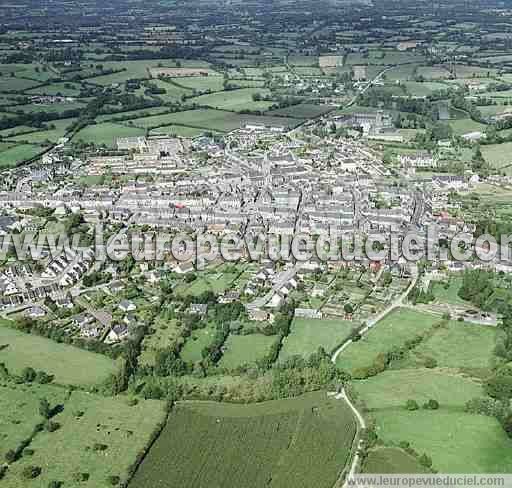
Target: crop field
[(245, 349), (207, 119), (69, 365), (297, 443), (456, 441), (106, 133), (392, 388), (235, 100), (398, 327), (86, 421), (389, 460), (307, 335)]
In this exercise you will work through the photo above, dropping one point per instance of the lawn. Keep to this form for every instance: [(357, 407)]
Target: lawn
[(245, 349), (307, 335), (297, 443), (389, 460), (398, 327), (107, 133), (85, 422), (456, 441), (69, 365)]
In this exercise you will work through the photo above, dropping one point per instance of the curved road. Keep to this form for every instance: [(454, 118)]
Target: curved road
[(343, 395)]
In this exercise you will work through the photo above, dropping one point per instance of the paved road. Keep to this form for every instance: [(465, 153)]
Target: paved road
[(398, 302)]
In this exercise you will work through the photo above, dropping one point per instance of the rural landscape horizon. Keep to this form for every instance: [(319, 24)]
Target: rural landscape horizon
[(255, 244)]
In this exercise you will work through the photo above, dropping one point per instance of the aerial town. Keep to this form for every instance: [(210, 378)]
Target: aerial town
[(356, 161)]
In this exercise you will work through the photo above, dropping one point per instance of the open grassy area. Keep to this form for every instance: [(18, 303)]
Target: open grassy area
[(211, 119), (14, 155), (302, 111), (498, 155), (393, 388), (393, 331), (297, 443), (245, 349), (86, 421), (165, 334), (69, 365), (456, 441), (107, 133), (460, 344), (423, 89), (235, 100), (307, 335), (466, 126), (449, 294), (389, 460), (197, 341)]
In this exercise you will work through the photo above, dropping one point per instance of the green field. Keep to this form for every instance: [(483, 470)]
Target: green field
[(210, 119), (178, 131), (460, 345), (393, 388), (398, 327), (296, 443), (498, 155), (466, 126), (245, 349), (69, 365), (388, 460), (307, 335), (456, 441), (106, 133), (85, 421), (424, 89), (198, 340), (12, 156), (302, 111), (235, 100), (451, 294)]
